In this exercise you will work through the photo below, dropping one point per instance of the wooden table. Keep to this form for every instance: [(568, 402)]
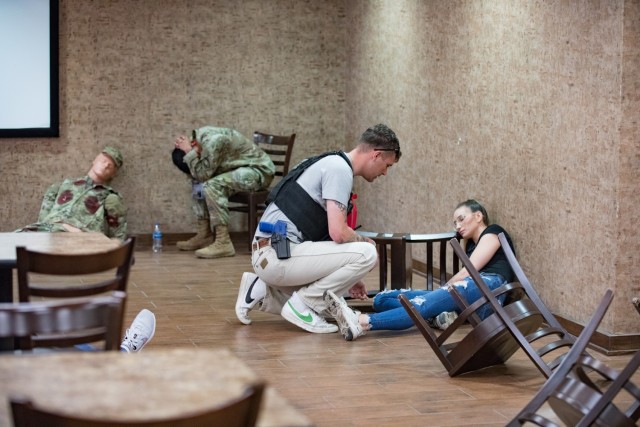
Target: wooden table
[(65, 243), (139, 386), (401, 259)]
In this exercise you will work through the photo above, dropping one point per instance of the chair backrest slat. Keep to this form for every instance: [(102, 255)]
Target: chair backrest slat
[(562, 374), (278, 147), (65, 322), (115, 264)]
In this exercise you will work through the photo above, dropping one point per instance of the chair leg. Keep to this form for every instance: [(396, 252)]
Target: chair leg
[(382, 265)]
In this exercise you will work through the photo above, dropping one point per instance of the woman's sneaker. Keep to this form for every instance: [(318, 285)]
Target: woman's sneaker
[(347, 318), (445, 319)]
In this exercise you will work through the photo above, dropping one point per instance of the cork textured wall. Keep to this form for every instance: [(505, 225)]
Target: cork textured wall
[(627, 240), (519, 105), (531, 107)]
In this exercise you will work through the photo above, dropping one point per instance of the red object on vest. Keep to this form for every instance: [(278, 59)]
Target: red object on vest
[(352, 217)]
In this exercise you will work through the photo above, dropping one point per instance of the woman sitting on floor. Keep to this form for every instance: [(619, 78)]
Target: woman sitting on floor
[(482, 247)]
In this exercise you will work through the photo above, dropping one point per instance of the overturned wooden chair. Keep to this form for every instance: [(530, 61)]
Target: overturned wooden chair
[(575, 398), (522, 322), (488, 343), (548, 342), (551, 342)]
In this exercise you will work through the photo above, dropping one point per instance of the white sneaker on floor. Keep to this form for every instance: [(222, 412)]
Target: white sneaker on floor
[(309, 320), (347, 318), (140, 332), (244, 302), (445, 319)]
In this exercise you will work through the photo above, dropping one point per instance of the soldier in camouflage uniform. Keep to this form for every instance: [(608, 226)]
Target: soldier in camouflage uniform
[(225, 162), (87, 203)]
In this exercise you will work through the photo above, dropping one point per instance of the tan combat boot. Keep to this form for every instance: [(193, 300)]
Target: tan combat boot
[(204, 237), (221, 247)]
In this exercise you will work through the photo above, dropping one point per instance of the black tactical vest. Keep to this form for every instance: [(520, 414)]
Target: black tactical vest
[(299, 206)]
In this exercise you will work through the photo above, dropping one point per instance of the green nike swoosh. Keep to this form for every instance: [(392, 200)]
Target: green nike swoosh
[(308, 318)]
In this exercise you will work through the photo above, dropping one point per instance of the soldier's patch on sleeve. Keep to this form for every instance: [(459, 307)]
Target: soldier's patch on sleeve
[(264, 263)]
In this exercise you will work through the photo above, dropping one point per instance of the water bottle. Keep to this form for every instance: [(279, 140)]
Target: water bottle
[(157, 238)]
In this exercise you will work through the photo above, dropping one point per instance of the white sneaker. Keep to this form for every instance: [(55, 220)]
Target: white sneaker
[(347, 318), (309, 321), (140, 332), (244, 302), (445, 319)]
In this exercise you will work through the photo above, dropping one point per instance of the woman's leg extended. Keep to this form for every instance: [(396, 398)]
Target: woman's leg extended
[(432, 303), (388, 300), (428, 303), (471, 293)]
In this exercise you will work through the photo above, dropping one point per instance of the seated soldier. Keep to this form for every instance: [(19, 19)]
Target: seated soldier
[(221, 162)]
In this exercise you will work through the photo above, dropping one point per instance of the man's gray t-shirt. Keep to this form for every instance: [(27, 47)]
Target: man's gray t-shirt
[(330, 178)]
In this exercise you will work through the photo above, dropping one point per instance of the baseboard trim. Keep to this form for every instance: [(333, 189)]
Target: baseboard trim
[(609, 344)]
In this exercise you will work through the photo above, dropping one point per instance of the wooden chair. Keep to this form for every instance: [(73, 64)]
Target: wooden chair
[(239, 412), (34, 267), (279, 148), (51, 275), (549, 342), (66, 323), (488, 343), (575, 398), (552, 330)]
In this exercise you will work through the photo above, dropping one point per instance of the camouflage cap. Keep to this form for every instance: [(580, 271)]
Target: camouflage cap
[(115, 155)]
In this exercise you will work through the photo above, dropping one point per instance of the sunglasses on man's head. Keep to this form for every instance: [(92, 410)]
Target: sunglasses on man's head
[(396, 150)]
